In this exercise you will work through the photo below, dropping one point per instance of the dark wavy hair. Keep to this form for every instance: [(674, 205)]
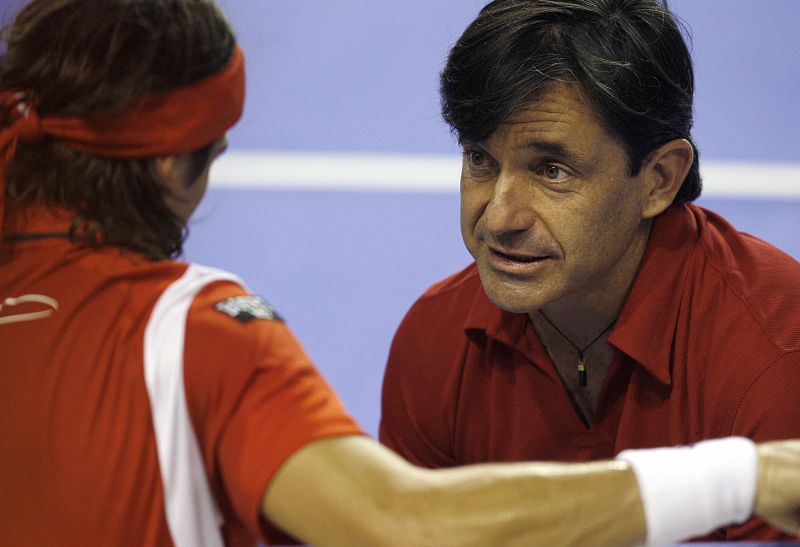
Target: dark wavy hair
[(628, 57), (91, 57)]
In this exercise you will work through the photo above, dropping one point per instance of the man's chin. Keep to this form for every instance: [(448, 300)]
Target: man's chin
[(514, 299)]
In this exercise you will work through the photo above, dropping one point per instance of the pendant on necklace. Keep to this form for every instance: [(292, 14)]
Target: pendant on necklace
[(582, 382), (581, 371)]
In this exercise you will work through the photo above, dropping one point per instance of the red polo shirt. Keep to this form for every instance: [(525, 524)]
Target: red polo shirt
[(708, 345), (80, 462)]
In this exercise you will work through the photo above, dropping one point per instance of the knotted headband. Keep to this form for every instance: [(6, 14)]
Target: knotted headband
[(176, 122)]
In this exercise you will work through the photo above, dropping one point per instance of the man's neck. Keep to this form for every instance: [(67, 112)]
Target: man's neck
[(584, 387), (575, 329), (585, 312)]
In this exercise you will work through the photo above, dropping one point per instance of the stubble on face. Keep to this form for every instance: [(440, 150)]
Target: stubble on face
[(549, 211)]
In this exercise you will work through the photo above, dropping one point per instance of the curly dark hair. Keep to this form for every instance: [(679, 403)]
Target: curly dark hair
[(628, 57), (90, 58)]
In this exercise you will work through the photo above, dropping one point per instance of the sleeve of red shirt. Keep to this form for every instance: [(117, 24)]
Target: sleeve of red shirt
[(770, 410), (255, 398), (409, 422)]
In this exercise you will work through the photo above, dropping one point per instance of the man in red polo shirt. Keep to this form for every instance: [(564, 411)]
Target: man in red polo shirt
[(603, 311), (147, 401)]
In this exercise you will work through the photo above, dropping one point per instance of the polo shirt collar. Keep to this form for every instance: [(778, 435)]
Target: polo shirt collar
[(647, 324), (500, 325), (37, 218)]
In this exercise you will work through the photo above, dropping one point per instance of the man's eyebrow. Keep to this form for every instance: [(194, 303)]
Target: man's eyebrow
[(551, 147), (462, 141)]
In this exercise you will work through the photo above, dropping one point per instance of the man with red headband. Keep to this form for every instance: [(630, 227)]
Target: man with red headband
[(146, 401)]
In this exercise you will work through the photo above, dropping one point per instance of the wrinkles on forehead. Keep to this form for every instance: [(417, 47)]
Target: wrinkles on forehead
[(560, 123)]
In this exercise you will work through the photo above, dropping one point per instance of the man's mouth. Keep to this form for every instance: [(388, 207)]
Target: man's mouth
[(525, 259)]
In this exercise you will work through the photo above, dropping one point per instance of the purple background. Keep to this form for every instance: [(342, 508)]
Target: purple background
[(360, 76)]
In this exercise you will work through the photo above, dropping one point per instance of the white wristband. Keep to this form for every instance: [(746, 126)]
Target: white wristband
[(692, 490)]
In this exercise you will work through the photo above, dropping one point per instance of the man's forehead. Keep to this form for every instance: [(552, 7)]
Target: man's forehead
[(560, 113)]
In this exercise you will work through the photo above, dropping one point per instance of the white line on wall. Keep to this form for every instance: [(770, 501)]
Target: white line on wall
[(440, 173), (338, 171)]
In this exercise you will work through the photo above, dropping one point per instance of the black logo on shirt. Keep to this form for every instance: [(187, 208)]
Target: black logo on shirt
[(247, 308)]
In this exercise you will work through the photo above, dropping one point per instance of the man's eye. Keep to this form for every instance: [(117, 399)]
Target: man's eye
[(554, 173), (476, 158)]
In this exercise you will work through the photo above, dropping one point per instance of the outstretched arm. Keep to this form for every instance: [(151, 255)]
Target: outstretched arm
[(353, 491)]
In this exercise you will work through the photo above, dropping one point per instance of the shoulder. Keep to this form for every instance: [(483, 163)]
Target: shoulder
[(452, 296), (464, 282), (761, 281), (436, 319), (431, 335), (110, 282), (235, 341), (227, 333), (225, 320), (743, 253)]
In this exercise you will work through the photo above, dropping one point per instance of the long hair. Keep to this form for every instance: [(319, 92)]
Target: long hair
[(90, 58)]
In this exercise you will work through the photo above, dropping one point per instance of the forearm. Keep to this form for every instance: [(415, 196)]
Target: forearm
[(353, 491), (778, 497), (529, 504)]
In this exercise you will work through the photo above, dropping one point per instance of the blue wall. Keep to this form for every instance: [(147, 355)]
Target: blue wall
[(362, 75)]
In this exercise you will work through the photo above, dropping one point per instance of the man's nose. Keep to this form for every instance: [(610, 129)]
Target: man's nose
[(511, 206)]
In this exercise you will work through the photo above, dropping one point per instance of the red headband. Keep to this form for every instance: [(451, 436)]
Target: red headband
[(179, 121)]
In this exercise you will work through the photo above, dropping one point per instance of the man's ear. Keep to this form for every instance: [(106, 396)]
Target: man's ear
[(165, 167), (664, 173)]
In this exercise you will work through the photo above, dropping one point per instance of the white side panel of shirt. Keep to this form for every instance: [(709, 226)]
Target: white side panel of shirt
[(192, 514)]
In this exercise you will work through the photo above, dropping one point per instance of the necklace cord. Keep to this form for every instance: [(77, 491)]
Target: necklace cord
[(582, 375)]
